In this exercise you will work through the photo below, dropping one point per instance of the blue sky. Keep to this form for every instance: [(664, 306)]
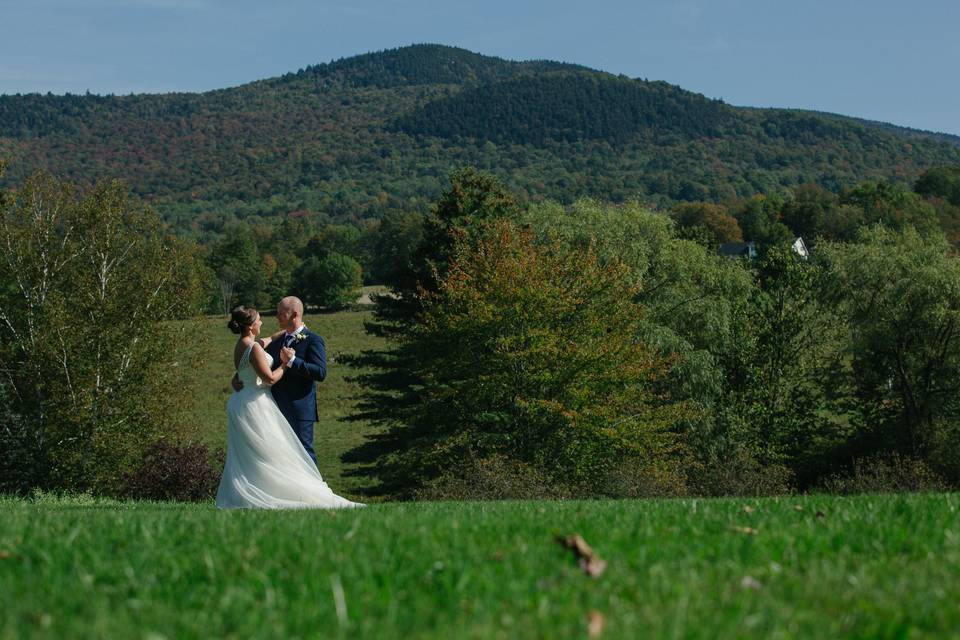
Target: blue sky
[(885, 60)]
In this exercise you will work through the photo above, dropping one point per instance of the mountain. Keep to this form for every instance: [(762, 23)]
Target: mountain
[(360, 136), (417, 65)]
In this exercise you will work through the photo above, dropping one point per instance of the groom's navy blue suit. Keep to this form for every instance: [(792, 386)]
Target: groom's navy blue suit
[(296, 391)]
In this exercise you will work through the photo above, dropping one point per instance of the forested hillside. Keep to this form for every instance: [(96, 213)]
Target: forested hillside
[(362, 136)]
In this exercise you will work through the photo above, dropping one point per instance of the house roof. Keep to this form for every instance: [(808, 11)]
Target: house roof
[(735, 248)]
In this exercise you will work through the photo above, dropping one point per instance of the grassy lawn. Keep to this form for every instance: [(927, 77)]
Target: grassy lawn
[(811, 566), (333, 435), (867, 567)]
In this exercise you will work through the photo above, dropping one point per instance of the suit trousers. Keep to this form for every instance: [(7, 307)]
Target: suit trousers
[(304, 431)]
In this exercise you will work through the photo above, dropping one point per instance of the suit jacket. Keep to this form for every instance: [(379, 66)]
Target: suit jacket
[(296, 391)]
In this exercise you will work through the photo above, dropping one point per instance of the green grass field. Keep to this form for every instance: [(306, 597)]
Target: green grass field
[(866, 567), (336, 396)]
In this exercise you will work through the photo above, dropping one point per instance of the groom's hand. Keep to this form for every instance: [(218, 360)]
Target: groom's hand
[(286, 355), (235, 383)]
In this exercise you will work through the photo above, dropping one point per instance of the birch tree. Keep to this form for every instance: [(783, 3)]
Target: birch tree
[(91, 282)]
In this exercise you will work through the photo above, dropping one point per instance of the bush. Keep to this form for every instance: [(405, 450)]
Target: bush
[(499, 477), (945, 457), (184, 472), (494, 478), (639, 479), (886, 473), (20, 451), (739, 475)]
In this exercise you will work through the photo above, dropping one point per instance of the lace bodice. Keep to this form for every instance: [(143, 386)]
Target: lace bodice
[(245, 371)]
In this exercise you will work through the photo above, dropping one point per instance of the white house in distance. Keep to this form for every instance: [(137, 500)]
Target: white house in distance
[(800, 247)]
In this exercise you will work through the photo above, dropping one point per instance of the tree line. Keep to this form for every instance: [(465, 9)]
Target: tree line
[(607, 350), (544, 349), (325, 262)]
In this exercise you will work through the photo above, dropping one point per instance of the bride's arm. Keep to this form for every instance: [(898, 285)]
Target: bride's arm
[(264, 342), (260, 364)]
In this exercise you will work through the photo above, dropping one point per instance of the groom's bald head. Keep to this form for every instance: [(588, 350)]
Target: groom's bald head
[(290, 313), (292, 303)]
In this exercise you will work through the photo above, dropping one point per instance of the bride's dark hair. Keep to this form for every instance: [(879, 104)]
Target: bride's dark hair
[(241, 318)]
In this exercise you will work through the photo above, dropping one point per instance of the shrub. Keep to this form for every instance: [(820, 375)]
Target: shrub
[(496, 477), (499, 477), (641, 479), (175, 471), (945, 459), (886, 473), (20, 451), (739, 474)]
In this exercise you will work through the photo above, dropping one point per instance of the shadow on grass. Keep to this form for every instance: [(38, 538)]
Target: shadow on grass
[(388, 392)]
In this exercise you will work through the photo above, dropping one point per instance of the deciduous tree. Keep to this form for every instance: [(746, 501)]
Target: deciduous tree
[(91, 281)]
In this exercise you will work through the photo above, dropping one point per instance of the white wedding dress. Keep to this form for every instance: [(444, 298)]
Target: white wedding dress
[(267, 467)]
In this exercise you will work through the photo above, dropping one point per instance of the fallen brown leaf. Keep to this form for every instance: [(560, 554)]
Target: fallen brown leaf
[(5, 554), (593, 567), (595, 624), (578, 544), (589, 561), (748, 509), (747, 530)]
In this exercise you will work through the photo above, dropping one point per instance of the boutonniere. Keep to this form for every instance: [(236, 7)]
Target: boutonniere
[(300, 336)]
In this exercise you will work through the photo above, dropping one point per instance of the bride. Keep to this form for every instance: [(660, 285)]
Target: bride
[(267, 467)]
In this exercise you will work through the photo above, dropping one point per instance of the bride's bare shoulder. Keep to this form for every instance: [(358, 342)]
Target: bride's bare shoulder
[(257, 351), (239, 349)]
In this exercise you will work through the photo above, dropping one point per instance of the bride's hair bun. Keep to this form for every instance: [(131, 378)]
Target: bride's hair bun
[(241, 318)]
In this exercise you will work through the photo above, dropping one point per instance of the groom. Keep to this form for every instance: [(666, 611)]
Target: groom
[(303, 353)]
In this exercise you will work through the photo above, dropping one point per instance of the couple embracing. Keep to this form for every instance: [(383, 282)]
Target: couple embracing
[(270, 459)]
